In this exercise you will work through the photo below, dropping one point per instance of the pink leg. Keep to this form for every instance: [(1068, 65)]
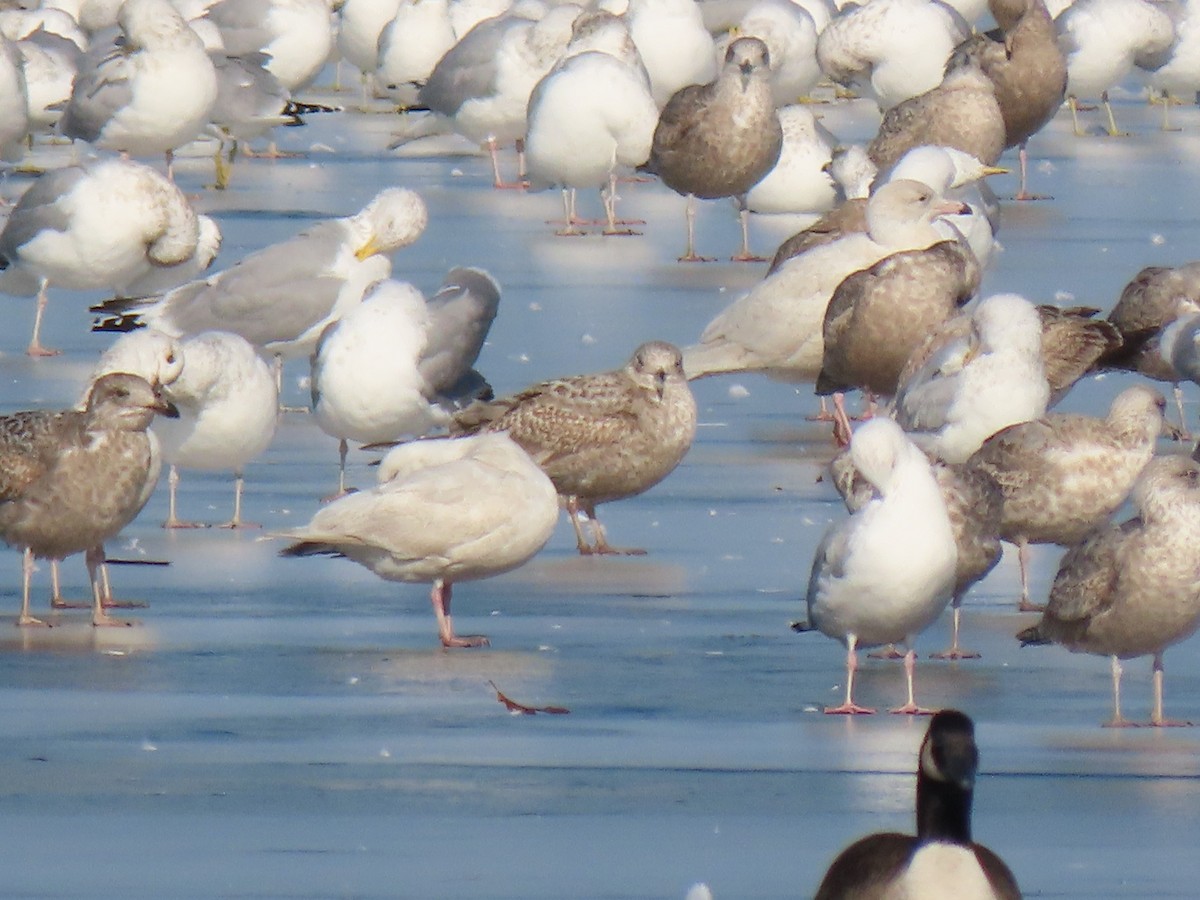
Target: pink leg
[(613, 225), (744, 255), (497, 181), (35, 347), (239, 486), (910, 708), (1117, 721), (1023, 559), (842, 432), (173, 521), (955, 652), (690, 214), (849, 707), (26, 574), (95, 559), (600, 544), (441, 608)]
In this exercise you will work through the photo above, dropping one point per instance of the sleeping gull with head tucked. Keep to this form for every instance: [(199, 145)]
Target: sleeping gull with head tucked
[(886, 573), (444, 511)]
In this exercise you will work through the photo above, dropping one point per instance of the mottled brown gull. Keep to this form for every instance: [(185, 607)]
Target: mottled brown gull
[(71, 480), (1065, 474), (1027, 69), (886, 573), (600, 437), (974, 504), (941, 860), (719, 139), (961, 112), (776, 327), (1131, 590), (444, 511)]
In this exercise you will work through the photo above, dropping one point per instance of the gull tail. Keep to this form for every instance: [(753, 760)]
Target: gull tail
[(1032, 636), (310, 548), (119, 324)]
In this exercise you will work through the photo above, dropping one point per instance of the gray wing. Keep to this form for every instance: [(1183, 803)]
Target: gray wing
[(467, 70), (37, 210), (101, 88), (460, 315)]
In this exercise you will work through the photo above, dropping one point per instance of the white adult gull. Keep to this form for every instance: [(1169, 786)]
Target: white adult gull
[(444, 511), (886, 573)]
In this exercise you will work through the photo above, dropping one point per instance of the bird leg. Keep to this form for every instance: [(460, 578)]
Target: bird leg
[(1156, 716), (498, 182), (441, 608), (570, 219), (342, 491), (1118, 721), (94, 557), (1113, 130), (955, 652), (173, 521), (239, 484), (842, 432), (35, 347), (744, 254), (600, 545), (849, 708), (910, 708), (689, 213), (27, 573), (1023, 559), (609, 198), (888, 652), (1023, 193)]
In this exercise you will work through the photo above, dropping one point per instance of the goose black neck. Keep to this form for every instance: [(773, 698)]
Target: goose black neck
[(943, 811)]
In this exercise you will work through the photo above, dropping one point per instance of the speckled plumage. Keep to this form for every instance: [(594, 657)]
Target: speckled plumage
[(961, 112), (1154, 298), (600, 437), (71, 480), (1132, 589)]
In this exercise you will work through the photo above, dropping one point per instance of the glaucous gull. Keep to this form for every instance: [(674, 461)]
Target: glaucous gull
[(73, 479), (719, 139), (600, 437), (972, 388), (1130, 590), (1065, 474), (941, 860), (444, 511), (776, 327), (105, 224), (886, 573)]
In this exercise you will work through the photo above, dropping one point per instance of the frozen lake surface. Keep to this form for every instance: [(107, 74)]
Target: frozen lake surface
[(290, 728)]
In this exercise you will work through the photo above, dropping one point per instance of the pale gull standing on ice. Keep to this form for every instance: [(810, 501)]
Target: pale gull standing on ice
[(106, 224), (890, 50), (73, 479), (799, 182), (973, 503), (973, 387), (776, 327), (885, 574), (1065, 474), (149, 93), (281, 298), (1131, 590), (228, 407), (444, 511), (600, 437), (719, 139)]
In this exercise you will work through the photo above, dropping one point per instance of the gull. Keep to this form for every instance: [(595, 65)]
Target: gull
[(776, 327), (886, 573), (106, 224), (410, 45), (150, 92), (444, 511), (719, 139), (1064, 475), (673, 43), (600, 437), (790, 34), (1130, 590), (941, 860), (73, 479), (296, 35), (282, 297), (799, 182)]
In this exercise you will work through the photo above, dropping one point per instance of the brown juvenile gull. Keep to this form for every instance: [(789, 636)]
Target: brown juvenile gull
[(961, 112), (1027, 69), (878, 316), (1131, 590), (1065, 474), (600, 437), (719, 139), (71, 480), (776, 328), (443, 511), (973, 503), (1154, 298), (941, 860)]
